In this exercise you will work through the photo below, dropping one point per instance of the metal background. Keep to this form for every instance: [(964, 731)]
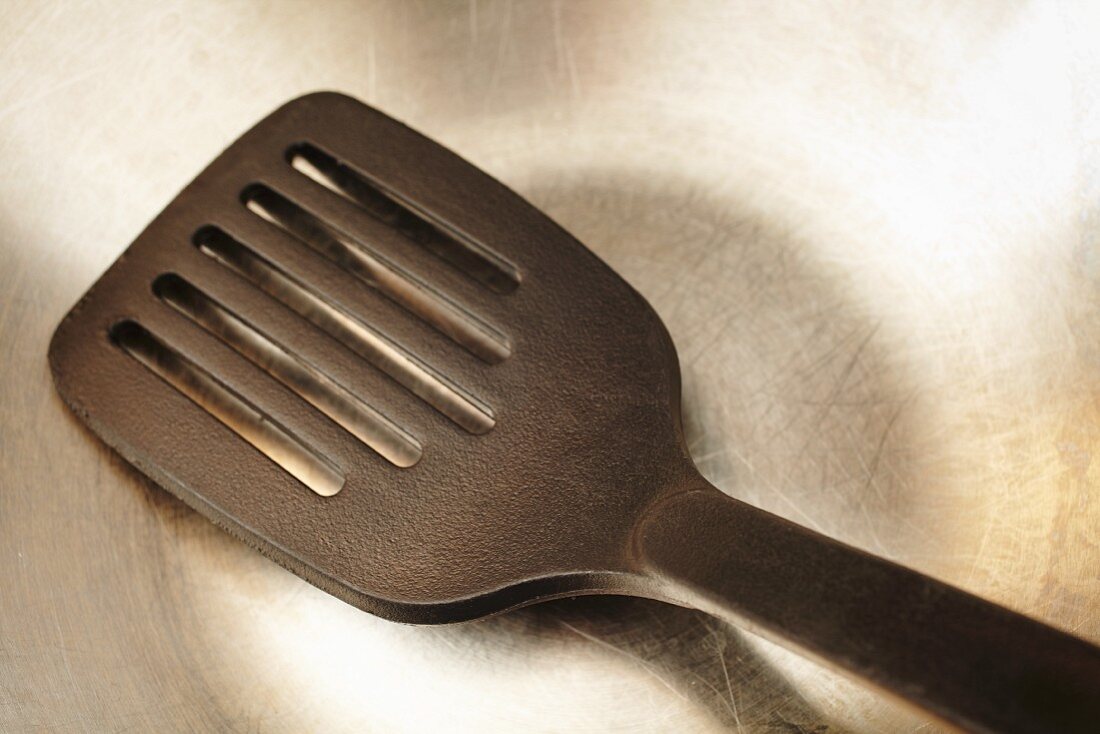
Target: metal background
[(870, 228)]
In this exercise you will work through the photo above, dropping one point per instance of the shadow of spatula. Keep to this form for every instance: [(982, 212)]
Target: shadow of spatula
[(390, 374)]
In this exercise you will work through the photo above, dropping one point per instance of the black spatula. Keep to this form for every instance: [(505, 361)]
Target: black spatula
[(386, 371)]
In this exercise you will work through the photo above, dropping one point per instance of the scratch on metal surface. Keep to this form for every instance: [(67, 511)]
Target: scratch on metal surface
[(774, 389), (796, 509), (502, 48), (872, 528), (845, 374), (445, 638), (372, 70), (722, 451), (976, 564), (564, 52), (721, 653), (45, 91), (73, 686), (625, 653), (783, 378), (795, 728), (872, 470)]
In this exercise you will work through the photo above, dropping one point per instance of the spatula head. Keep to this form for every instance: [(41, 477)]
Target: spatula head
[(383, 369)]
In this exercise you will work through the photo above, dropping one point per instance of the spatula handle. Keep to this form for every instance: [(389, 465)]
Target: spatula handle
[(961, 658)]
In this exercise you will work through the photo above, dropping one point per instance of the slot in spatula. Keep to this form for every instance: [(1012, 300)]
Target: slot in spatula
[(390, 374)]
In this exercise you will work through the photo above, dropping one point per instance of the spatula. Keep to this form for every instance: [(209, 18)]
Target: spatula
[(391, 375)]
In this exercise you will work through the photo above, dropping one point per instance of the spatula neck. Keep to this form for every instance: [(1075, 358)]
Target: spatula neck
[(959, 657)]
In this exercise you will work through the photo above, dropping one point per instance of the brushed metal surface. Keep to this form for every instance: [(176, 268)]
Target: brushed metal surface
[(871, 231)]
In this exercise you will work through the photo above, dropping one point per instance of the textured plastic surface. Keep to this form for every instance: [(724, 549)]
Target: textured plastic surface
[(586, 405)]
